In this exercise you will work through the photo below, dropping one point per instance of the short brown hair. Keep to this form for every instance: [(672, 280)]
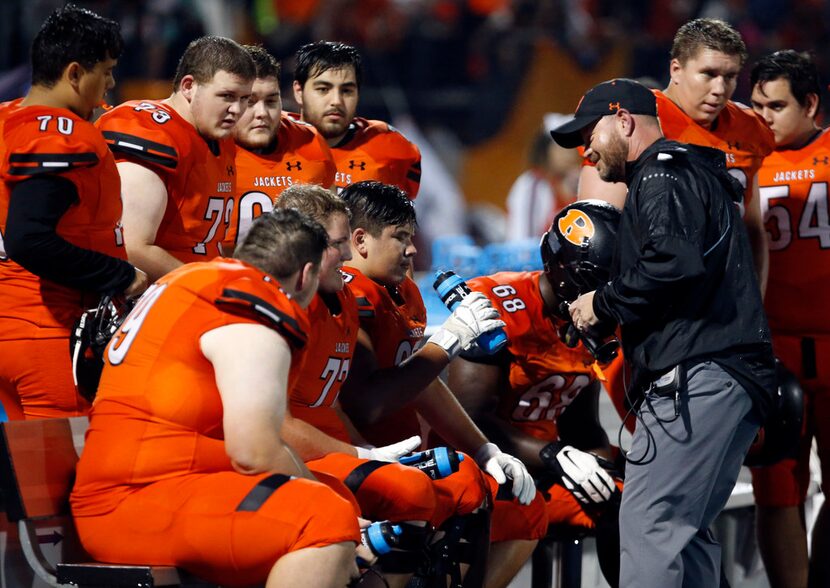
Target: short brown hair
[(313, 201), (266, 64), (707, 33), (207, 55), (281, 242)]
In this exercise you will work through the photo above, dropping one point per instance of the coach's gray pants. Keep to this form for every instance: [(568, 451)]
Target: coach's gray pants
[(692, 464)]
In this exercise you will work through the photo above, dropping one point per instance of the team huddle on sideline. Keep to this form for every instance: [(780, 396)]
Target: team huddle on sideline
[(263, 410)]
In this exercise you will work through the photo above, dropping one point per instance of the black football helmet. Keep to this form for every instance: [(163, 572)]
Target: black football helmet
[(578, 249), (782, 432), (89, 338)]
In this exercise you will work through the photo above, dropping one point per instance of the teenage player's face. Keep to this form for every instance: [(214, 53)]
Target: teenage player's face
[(788, 119), (217, 105), (93, 85), (329, 101), (705, 83), (260, 122), (339, 251), (390, 254), (606, 149)]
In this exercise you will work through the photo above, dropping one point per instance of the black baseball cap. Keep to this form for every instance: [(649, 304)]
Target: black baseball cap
[(601, 100)]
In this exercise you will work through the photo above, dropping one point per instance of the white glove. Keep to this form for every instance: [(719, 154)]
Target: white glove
[(584, 477), (390, 452), (503, 466), (473, 316)]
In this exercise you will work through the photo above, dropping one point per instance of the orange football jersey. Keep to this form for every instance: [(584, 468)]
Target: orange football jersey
[(375, 150), (740, 133), (158, 412), (199, 174), (395, 320), (43, 140), (545, 374), (794, 200), (300, 155), (331, 341)]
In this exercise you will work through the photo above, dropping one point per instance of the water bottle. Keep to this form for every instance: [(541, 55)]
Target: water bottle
[(381, 537), (437, 463), (451, 290)]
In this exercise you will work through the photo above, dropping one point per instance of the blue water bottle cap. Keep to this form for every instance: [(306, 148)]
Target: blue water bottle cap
[(442, 461), (377, 540)]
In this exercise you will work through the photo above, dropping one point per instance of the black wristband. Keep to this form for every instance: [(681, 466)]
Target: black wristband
[(548, 455)]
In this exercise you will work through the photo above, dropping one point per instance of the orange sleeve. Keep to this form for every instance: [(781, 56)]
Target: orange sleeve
[(254, 299), (374, 150), (404, 162), (142, 133), (48, 144)]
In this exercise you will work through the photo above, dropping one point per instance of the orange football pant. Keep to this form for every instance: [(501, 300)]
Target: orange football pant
[(393, 491), (36, 379), (198, 522)]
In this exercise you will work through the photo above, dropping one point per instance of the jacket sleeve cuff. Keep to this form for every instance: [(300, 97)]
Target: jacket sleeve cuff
[(601, 308)]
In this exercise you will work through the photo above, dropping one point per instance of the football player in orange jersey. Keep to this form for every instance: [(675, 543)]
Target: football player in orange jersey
[(706, 57), (274, 151), (176, 157), (319, 429), (793, 187), (316, 427), (60, 213), (538, 395), (696, 107), (203, 479), (385, 407), (326, 87)]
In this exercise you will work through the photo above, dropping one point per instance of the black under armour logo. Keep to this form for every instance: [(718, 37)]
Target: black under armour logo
[(230, 170), (298, 166), (825, 160), (360, 164), (735, 145)]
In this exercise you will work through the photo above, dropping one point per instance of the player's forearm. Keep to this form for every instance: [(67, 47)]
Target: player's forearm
[(36, 207), (512, 440), (154, 260), (444, 413), (760, 254), (354, 435), (388, 390), (260, 452), (309, 442)]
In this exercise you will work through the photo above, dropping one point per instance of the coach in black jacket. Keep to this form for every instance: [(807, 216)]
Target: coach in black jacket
[(693, 328)]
